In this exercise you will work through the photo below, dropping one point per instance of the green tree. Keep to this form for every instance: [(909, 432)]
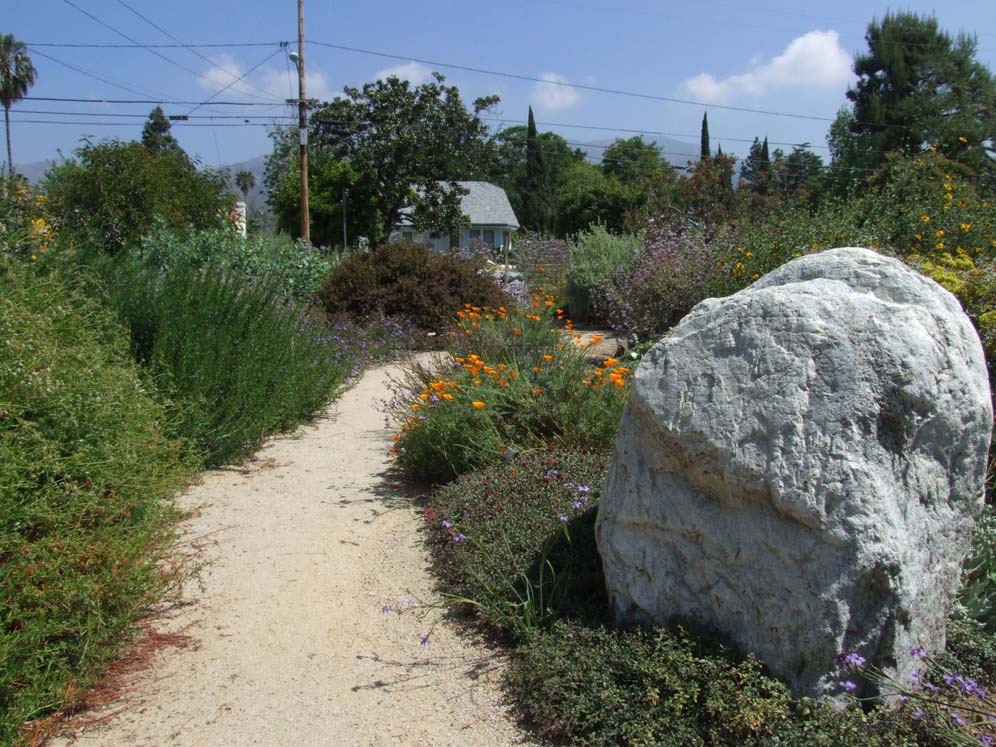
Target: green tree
[(411, 144), (707, 194), (920, 88), (704, 137), (632, 160), (328, 181), (852, 155), (245, 181), (535, 194), (756, 167), (509, 170), (156, 136), (17, 75), (800, 173), (588, 197), (115, 191)]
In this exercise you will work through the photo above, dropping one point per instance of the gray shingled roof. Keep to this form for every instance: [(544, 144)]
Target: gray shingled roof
[(485, 204)]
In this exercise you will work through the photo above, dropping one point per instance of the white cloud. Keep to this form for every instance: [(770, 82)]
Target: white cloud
[(272, 80), (553, 97), (813, 60), (414, 72)]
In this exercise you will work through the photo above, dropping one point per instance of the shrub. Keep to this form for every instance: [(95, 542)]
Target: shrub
[(410, 281), (595, 257), (237, 360), (466, 411), (86, 478), (298, 269), (543, 263), (112, 195), (517, 541), (600, 686), (26, 230), (673, 270)]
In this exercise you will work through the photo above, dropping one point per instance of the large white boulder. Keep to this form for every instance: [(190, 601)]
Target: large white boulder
[(800, 466)]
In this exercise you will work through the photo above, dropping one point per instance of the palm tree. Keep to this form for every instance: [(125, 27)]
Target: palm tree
[(17, 75), (245, 180)]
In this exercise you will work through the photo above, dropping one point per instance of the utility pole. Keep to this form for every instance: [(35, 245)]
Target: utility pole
[(345, 196), (302, 125)]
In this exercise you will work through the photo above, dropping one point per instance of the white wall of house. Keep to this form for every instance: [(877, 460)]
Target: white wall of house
[(495, 235)]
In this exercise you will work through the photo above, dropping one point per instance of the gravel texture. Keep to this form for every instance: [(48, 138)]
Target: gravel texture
[(315, 621)]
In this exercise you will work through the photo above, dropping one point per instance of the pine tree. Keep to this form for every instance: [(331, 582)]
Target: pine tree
[(705, 136), (156, 135), (719, 150)]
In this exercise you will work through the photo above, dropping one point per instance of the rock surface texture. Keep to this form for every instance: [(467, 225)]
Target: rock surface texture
[(800, 467)]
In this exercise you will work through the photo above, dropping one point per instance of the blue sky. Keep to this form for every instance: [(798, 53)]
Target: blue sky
[(780, 56)]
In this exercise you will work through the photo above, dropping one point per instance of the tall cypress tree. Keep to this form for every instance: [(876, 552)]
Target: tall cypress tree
[(705, 135), (765, 164), (535, 197)]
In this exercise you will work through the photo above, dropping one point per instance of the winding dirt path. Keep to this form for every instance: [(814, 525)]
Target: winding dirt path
[(308, 544)]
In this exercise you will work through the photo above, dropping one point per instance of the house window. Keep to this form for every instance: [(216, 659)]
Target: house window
[(475, 234), (454, 241), (406, 235), (489, 238)]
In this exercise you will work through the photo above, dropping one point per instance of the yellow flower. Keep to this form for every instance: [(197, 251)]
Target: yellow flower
[(925, 218), (939, 233), (963, 138), (966, 226), (416, 406), (749, 255), (478, 405), (447, 395), (548, 358), (755, 276)]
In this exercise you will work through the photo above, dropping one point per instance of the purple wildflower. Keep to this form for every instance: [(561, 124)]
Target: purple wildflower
[(584, 489), (424, 640), (918, 713), (958, 719), (385, 609), (918, 652), (986, 739), (460, 538), (564, 518), (447, 524), (577, 505), (848, 686)]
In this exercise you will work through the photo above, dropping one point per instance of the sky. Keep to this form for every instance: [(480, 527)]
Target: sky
[(787, 60)]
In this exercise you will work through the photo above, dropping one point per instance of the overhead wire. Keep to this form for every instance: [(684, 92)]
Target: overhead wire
[(240, 78), (189, 48), (148, 49)]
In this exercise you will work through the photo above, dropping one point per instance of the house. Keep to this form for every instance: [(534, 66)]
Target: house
[(491, 217)]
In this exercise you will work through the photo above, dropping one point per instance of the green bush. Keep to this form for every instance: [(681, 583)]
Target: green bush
[(87, 473), (237, 360), (599, 686), (596, 256), (410, 281), (113, 193), (295, 267), (467, 411), (517, 541)]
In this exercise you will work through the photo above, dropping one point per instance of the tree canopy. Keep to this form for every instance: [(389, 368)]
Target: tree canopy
[(116, 190), (918, 87), (156, 136), (632, 160), (411, 144)]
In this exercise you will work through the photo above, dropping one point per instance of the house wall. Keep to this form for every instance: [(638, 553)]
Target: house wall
[(443, 243)]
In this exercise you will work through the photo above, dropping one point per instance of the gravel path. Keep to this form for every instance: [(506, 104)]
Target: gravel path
[(308, 543)]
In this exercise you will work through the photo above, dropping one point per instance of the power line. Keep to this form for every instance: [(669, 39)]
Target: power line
[(565, 84), (161, 56), (145, 116), (89, 74), (166, 101), (224, 45), (241, 77), (188, 48), (693, 136), (132, 124)]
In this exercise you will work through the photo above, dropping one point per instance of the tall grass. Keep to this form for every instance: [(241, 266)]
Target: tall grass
[(236, 359), (86, 478)]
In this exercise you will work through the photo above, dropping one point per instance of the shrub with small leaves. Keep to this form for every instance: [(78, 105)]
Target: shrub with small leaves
[(411, 281)]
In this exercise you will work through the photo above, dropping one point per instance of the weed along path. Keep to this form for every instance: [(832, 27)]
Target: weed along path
[(306, 628)]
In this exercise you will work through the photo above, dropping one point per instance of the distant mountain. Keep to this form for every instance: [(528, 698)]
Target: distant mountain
[(34, 172)]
